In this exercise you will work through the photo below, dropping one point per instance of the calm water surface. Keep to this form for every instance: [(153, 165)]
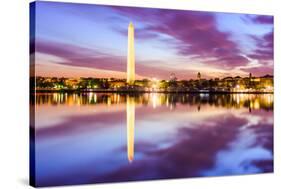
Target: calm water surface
[(98, 137)]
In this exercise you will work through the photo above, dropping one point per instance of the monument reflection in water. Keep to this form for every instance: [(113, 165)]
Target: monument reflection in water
[(130, 127), (150, 136)]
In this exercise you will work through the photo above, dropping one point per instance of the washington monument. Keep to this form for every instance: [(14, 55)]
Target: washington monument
[(131, 55)]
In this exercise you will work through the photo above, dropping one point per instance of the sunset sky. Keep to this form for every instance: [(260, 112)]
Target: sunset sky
[(83, 40)]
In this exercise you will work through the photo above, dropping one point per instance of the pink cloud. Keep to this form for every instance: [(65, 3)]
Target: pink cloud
[(259, 71), (264, 50), (195, 34), (263, 19), (73, 55)]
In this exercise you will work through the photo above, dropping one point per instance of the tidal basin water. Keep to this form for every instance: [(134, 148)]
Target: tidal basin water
[(110, 137)]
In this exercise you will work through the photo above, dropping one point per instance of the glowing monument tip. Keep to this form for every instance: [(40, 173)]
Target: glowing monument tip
[(131, 24)]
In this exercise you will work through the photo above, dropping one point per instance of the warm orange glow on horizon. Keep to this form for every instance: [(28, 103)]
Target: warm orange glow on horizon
[(49, 69)]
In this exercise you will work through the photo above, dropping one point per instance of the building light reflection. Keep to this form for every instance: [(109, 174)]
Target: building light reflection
[(95, 98)]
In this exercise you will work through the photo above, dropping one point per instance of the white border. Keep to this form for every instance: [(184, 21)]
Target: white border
[(14, 93)]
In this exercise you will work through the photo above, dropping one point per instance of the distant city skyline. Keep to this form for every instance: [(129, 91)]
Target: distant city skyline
[(83, 40)]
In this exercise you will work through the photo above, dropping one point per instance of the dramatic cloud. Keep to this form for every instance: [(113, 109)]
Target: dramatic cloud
[(264, 51), (168, 41), (190, 157), (73, 55), (80, 56), (195, 34), (84, 122), (259, 71), (263, 19)]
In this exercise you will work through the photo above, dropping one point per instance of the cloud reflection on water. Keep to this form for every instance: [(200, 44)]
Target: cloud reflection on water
[(170, 140)]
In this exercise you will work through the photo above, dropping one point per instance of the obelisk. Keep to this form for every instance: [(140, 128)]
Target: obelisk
[(131, 56)]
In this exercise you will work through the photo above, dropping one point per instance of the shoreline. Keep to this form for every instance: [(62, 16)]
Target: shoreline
[(141, 91)]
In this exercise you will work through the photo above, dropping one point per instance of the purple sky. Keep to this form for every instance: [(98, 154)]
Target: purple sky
[(83, 40)]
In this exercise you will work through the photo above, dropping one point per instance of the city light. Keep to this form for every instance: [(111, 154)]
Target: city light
[(223, 85)]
